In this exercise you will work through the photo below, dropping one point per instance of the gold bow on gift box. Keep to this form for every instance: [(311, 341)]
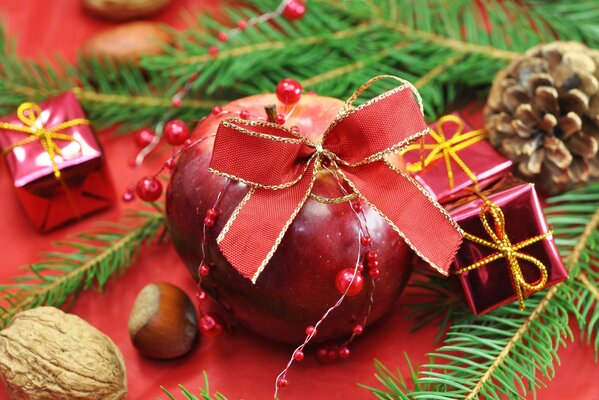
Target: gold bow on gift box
[(446, 149), (29, 114), (505, 249)]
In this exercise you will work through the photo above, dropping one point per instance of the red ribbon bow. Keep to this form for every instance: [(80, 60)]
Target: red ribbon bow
[(280, 167)]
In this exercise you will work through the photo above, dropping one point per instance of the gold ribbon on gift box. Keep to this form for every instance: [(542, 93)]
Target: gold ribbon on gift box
[(446, 149), (29, 114), (505, 249)]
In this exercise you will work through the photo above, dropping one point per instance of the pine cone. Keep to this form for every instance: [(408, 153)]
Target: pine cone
[(543, 113)]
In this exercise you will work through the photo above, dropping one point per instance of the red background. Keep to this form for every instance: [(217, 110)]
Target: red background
[(241, 365)]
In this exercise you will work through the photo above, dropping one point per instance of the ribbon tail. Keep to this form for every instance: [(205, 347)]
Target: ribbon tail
[(412, 212), (249, 242)]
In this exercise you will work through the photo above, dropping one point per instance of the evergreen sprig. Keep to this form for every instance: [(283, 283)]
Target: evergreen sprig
[(443, 47), (110, 93), (95, 257), (508, 353), (204, 392)]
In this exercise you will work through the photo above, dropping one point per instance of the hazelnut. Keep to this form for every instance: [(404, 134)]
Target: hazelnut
[(163, 323)]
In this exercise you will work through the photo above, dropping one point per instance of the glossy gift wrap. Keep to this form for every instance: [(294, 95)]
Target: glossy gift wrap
[(452, 158), (56, 163), (521, 221)]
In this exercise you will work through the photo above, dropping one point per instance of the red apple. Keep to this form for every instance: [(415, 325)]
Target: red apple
[(299, 283)]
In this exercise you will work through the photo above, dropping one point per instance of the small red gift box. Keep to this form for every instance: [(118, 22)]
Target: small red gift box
[(56, 163), (452, 158), (508, 252)]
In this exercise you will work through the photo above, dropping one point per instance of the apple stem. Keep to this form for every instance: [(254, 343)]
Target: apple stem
[(271, 112)]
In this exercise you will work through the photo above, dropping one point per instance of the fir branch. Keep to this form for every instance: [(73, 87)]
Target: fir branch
[(204, 392), (508, 352), (333, 49), (110, 93), (96, 257)]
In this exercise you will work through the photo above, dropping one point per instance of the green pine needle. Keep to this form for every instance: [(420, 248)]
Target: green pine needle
[(335, 48), (95, 257), (204, 392), (509, 353)]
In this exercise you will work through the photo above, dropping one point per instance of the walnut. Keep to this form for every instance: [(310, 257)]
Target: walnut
[(50, 355)]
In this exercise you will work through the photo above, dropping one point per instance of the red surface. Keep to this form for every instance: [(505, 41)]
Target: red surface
[(241, 365)]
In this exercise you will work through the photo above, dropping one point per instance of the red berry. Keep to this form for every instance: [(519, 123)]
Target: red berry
[(371, 255), (280, 119), (217, 110), (128, 196), (373, 272), (326, 355), (344, 282), (204, 270), (289, 91), (148, 188), (209, 326), (358, 329), (144, 137), (360, 267), (357, 206), (294, 10), (344, 352), (310, 330), (176, 132), (170, 163), (212, 213), (366, 240), (373, 264), (241, 24), (222, 36), (283, 382), (201, 295), (298, 355), (213, 51), (177, 101), (295, 128), (209, 222), (245, 114)]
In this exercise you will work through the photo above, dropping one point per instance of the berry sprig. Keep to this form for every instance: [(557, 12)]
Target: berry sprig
[(349, 281), (176, 132)]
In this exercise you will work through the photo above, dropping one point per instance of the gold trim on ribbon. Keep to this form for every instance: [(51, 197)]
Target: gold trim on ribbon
[(333, 200), (505, 249), (446, 149), (29, 114), (322, 153)]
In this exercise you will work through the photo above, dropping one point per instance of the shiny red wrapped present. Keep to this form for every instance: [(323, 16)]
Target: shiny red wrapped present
[(452, 158), (508, 251), (56, 163)]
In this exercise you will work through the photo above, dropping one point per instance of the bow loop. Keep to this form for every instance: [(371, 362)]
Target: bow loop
[(369, 132), (30, 115), (510, 252), (260, 154), (281, 169), (446, 149)]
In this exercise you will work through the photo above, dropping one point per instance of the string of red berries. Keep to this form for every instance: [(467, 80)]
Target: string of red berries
[(176, 132), (348, 281)]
